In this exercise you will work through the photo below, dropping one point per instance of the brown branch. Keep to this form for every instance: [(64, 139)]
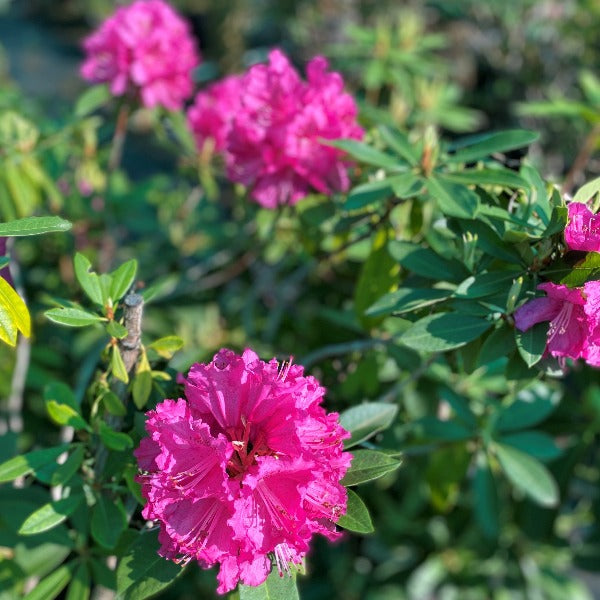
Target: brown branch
[(130, 345)]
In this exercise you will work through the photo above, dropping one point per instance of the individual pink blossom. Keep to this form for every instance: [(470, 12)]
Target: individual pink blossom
[(145, 46), (574, 315), (245, 469), (213, 110), (583, 228), (271, 126)]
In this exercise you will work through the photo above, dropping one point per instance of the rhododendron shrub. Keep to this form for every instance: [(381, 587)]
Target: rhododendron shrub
[(144, 48), (245, 469), (273, 129)]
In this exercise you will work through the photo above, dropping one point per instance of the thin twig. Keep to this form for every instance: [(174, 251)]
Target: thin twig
[(118, 141)]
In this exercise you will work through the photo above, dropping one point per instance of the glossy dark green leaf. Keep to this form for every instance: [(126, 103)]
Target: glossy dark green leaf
[(398, 142), (365, 420), (485, 503), (65, 471), (122, 279), (531, 344), (587, 269), (52, 585), (427, 263), (113, 404), (497, 177), (453, 199), (80, 587), (28, 463), (142, 572), (536, 443), (406, 300), (73, 317), (368, 465), (357, 517), (500, 343), (528, 475), (482, 146), (50, 515), (116, 330), (432, 428), (115, 440), (88, 280), (365, 153), (532, 406), (486, 284), (108, 521), (444, 331), (276, 587)]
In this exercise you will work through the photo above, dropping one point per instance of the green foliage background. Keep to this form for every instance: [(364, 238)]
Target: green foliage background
[(399, 293)]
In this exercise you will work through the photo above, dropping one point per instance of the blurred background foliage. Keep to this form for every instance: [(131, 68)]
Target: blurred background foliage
[(227, 273)]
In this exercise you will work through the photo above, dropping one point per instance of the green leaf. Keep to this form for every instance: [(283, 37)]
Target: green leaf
[(485, 505), (426, 262), (108, 521), (489, 241), (532, 406), (80, 584), (4, 260), (50, 587), (65, 471), (558, 221), (116, 330), (500, 343), (531, 344), (92, 99), (61, 393), (444, 331), (167, 346), (587, 191), (400, 186), (365, 420), (378, 275), (486, 284), (276, 587), (432, 428), (113, 404), (399, 143), (480, 146), (528, 475), (73, 317), (141, 388), (62, 414), (587, 269), (50, 515), (365, 154), (115, 440), (89, 281), (496, 177), (368, 465), (142, 572), (118, 366), (536, 443), (453, 199), (33, 226), (14, 315), (122, 279), (29, 463), (406, 300), (357, 517)]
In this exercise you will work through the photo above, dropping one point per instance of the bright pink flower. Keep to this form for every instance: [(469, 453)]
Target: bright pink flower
[(583, 229), (574, 315), (146, 46), (213, 110), (271, 124), (245, 470)]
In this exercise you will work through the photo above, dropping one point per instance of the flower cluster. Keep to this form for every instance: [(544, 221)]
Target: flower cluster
[(573, 313), (146, 46), (247, 468), (270, 124)]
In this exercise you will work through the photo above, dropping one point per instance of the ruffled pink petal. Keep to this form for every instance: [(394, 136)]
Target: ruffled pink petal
[(583, 228), (536, 311)]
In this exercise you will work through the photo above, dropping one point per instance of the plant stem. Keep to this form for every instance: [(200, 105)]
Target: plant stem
[(116, 150)]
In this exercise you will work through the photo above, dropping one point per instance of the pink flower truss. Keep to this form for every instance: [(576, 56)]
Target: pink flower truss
[(146, 46), (583, 229), (574, 315), (247, 468), (213, 110), (270, 125)]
